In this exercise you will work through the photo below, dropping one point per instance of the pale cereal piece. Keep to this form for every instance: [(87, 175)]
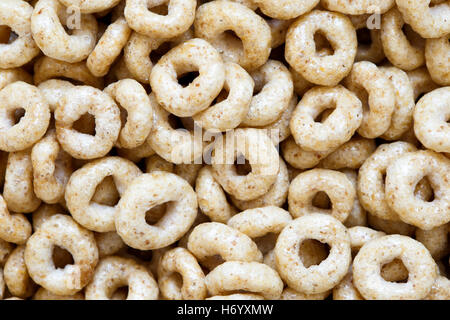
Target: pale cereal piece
[(82, 186), (389, 226), (430, 120), (63, 231), (91, 6), (402, 177), (237, 296), (421, 82), (346, 289), (145, 192), (155, 162), (52, 90), (76, 102), (247, 276), (440, 289), (16, 276), (301, 50), (5, 249), (114, 272), (338, 128), (16, 14), (278, 29), (329, 272), (291, 294), (44, 294), (180, 261), (108, 243), (335, 184), (358, 216), (435, 240), (32, 126), (437, 55), (402, 49), (192, 55), (358, 6), (286, 9), (251, 49), (179, 18), (417, 259), (373, 51), (188, 171), (49, 33), (377, 95), (8, 76), (298, 157)]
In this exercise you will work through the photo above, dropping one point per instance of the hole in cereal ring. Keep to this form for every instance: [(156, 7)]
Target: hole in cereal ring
[(18, 115), (364, 36), (162, 9), (156, 213), (313, 252), (85, 124), (121, 293), (322, 200), (106, 193), (61, 257), (395, 271), (187, 78), (242, 166), (323, 46)]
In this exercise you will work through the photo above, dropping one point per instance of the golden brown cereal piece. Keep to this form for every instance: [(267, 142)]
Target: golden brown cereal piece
[(179, 17), (147, 191), (5, 249), (430, 120), (328, 273), (76, 102), (47, 22), (16, 275), (421, 82), (217, 239), (371, 179), (351, 154), (336, 129), (233, 102), (63, 231), (437, 55), (8, 76), (212, 21), (32, 126), (335, 184), (402, 49), (131, 96), (114, 272), (16, 14), (14, 228), (212, 200), (52, 168), (429, 22), (417, 259), (108, 243), (180, 262), (377, 95), (109, 47), (402, 177), (47, 68), (82, 187), (389, 226), (247, 276), (301, 51), (44, 294)]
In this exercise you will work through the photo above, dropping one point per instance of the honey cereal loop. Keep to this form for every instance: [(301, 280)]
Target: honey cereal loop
[(437, 56), (90, 6), (16, 275), (14, 228), (285, 9), (356, 7)]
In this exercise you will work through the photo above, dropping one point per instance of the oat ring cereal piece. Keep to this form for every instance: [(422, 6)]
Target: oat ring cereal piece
[(375, 253), (63, 231), (371, 190), (18, 190), (376, 93), (52, 168), (179, 18), (435, 240), (372, 51), (260, 221), (213, 238), (47, 22), (237, 296), (47, 68), (16, 14), (76, 102), (247, 276), (398, 48), (301, 54), (437, 55), (90, 6), (8, 76), (402, 177), (336, 129), (44, 294), (82, 186), (109, 47), (430, 120), (52, 90), (277, 89), (335, 184), (285, 9), (429, 22), (402, 118), (276, 196), (192, 55), (212, 200), (131, 96), (181, 261), (5, 249), (14, 228), (147, 191), (356, 7), (298, 157), (16, 275), (173, 145), (256, 146), (212, 21), (316, 278), (232, 109), (113, 272), (32, 126)]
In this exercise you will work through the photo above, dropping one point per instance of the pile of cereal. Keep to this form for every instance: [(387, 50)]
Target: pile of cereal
[(226, 149)]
